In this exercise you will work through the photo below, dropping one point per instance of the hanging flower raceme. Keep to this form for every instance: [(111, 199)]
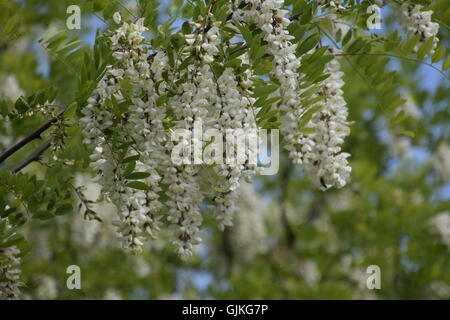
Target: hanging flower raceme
[(329, 166), (136, 207), (235, 119), (181, 177), (273, 22), (191, 106), (320, 153), (419, 22)]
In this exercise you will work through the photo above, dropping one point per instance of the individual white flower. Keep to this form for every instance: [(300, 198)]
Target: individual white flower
[(419, 22), (117, 17)]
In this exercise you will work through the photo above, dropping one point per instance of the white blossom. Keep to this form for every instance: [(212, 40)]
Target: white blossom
[(136, 208), (234, 113), (117, 18), (329, 166), (419, 22)]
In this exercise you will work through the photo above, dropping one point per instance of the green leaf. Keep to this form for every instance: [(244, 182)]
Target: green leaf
[(411, 43), (398, 101), (408, 133), (64, 209), (130, 158), (425, 48), (138, 185), (22, 105), (438, 54), (42, 215), (307, 115), (137, 175), (347, 37), (306, 130), (264, 90), (308, 44), (446, 64), (13, 240)]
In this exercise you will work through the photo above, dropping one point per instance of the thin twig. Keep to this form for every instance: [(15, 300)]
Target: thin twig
[(35, 135), (369, 85), (398, 57), (35, 156), (290, 237)]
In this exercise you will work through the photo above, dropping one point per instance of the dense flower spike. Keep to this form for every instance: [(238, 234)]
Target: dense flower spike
[(319, 153), (419, 22), (236, 120), (136, 208), (273, 22), (183, 186), (328, 166)]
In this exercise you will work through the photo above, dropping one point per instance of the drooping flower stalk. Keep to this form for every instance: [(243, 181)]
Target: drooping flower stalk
[(329, 166)]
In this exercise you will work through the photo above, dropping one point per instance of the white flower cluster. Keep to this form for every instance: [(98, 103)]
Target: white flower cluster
[(158, 96), (326, 164), (194, 100), (183, 186), (136, 207), (318, 153), (235, 112), (203, 44), (273, 22), (419, 22)]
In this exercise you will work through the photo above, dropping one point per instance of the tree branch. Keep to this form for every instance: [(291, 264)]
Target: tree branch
[(32, 157), (35, 135), (290, 237)]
